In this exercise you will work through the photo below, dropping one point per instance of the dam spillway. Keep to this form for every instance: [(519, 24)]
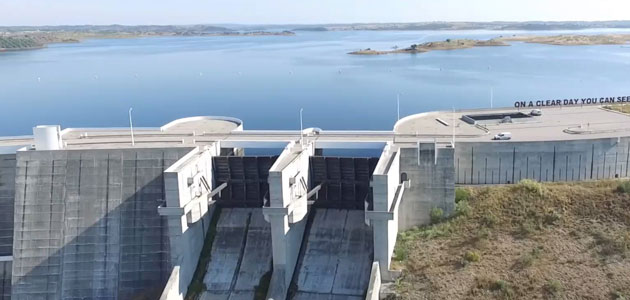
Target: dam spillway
[(87, 213), (337, 256), (240, 257)]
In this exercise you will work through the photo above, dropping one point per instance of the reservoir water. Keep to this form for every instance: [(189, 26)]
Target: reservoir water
[(265, 80)]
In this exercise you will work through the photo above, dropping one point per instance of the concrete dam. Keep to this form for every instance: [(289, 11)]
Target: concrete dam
[(183, 212)]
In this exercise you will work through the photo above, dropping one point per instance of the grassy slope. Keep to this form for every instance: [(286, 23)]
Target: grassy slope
[(18, 43), (527, 241)]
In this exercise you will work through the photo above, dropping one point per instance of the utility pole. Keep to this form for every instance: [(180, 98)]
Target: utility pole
[(133, 142)]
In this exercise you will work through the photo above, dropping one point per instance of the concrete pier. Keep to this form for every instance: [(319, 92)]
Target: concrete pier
[(289, 180)]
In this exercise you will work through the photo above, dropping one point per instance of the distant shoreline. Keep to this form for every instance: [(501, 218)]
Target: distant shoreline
[(23, 41), (557, 40)]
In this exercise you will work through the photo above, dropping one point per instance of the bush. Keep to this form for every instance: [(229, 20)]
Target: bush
[(489, 220), (504, 287), (462, 208), (461, 194), (437, 215), (623, 187), (531, 186), (529, 258), (472, 256), (553, 287)]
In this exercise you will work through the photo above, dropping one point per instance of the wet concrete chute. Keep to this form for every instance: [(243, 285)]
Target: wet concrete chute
[(184, 212)]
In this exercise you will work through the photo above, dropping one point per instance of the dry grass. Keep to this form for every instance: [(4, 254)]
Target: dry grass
[(624, 108), (534, 241)]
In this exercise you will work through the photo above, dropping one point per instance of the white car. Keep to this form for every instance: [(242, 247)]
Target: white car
[(536, 112), (314, 131), (503, 136)]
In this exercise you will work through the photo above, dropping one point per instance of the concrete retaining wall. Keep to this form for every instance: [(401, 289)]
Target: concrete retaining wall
[(374, 289), (385, 184), (431, 183), (7, 195), (86, 224), (509, 162)]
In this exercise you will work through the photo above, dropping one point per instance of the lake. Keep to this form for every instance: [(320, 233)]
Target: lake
[(265, 80)]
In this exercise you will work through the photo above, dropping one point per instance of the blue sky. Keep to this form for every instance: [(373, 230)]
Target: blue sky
[(58, 12)]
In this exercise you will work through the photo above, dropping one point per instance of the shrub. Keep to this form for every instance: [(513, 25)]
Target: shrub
[(617, 295), (553, 287), (489, 220), (462, 208), (401, 252), (531, 186), (529, 258), (461, 194), (472, 256), (623, 187), (437, 215), (504, 287)]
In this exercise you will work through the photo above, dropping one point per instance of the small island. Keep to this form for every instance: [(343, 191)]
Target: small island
[(560, 40), (432, 46)]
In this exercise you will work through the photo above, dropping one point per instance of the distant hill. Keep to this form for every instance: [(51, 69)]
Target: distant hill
[(542, 25)]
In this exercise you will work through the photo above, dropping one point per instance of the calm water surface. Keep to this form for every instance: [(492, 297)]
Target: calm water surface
[(266, 80)]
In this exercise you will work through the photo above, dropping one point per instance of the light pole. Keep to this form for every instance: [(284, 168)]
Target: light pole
[(398, 106), (301, 126), (491, 97), (133, 142)]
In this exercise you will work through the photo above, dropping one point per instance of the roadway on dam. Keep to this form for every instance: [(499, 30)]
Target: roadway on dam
[(336, 257), (240, 255), (115, 138)]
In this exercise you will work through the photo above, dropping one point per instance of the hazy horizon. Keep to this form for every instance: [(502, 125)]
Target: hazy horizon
[(288, 12)]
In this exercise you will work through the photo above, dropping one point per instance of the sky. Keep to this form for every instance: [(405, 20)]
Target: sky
[(138, 12)]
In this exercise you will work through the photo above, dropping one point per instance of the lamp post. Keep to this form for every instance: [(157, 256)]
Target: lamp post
[(133, 142), (398, 106), (301, 127)]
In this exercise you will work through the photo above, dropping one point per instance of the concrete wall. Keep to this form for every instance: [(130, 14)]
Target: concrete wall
[(7, 195), (5, 280), (86, 224), (385, 183), (188, 224), (431, 183), (509, 162), (374, 289), (287, 214)]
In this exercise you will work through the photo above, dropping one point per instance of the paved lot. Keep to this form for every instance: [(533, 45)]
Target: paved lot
[(558, 123)]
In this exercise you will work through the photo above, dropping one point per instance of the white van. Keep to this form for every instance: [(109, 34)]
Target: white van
[(503, 136)]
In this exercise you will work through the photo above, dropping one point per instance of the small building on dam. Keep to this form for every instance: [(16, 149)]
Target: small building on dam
[(183, 211)]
